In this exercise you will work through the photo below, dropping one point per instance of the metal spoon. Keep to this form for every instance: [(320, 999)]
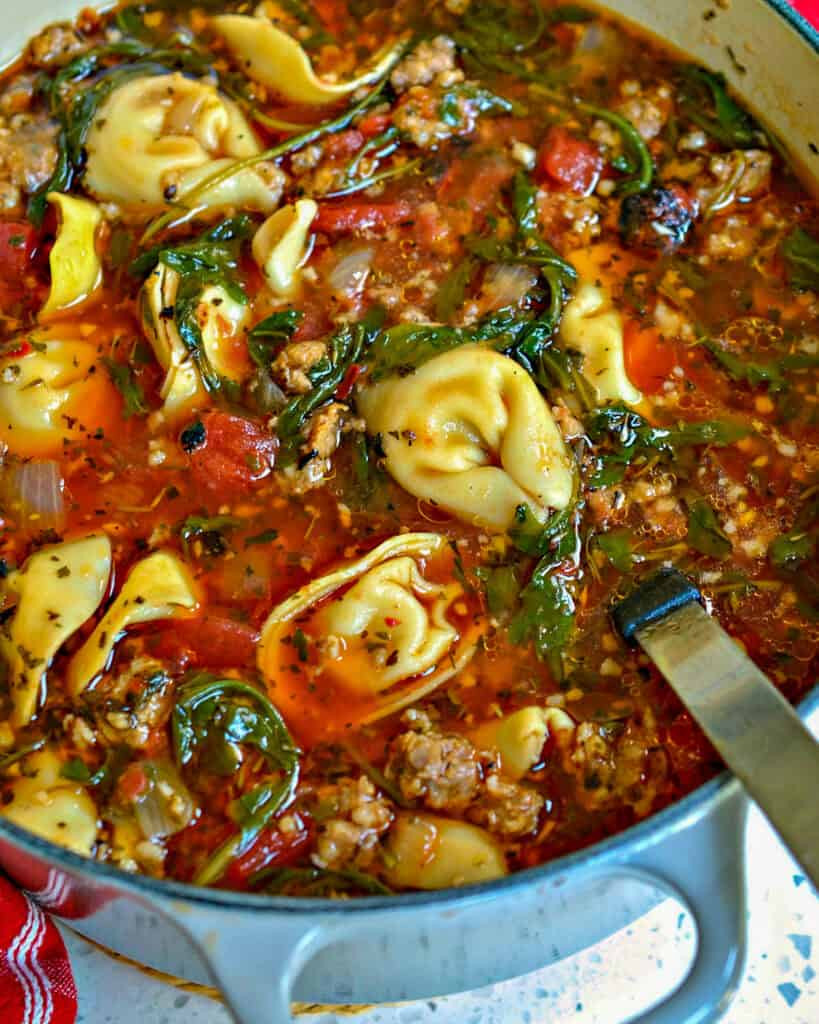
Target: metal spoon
[(755, 730)]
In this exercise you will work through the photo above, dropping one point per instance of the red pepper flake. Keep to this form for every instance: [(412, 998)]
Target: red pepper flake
[(344, 390), (391, 622)]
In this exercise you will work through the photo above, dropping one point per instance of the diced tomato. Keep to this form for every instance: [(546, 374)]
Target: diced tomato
[(18, 240), (133, 782), (272, 849), (475, 185), (568, 161), (345, 388), (374, 124), (236, 453), (342, 218), (344, 144), (649, 357), (215, 639), (333, 14), (688, 748)]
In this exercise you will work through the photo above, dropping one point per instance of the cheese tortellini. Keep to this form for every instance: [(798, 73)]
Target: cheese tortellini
[(470, 431), (53, 391), (519, 738), (158, 587), (390, 638), (57, 589), (272, 57), (50, 806), (76, 271), (592, 326), (157, 137), (425, 851), (221, 320), (280, 246)]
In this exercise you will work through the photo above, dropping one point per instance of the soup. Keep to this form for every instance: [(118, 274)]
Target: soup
[(355, 359)]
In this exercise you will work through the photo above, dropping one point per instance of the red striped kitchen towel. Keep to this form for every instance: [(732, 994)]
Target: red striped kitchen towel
[(36, 983)]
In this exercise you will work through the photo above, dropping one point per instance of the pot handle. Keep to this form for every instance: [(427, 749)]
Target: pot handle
[(702, 865), (255, 960)]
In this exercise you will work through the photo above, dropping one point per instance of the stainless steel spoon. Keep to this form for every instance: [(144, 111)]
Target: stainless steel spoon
[(755, 730)]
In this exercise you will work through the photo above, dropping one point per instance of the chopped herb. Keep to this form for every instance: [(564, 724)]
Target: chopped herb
[(209, 530), (300, 642), (126, 383), (265, 537)]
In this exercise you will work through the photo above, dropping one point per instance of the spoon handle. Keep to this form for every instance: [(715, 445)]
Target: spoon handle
[(755, 730)]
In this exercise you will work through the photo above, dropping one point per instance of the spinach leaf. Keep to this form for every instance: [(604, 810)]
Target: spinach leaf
[(705, 101), (13, 756), (547, 607), (635, 160), (452, 289), (546, 615), (267, 337), (210, 530), (617, 546), (801, 253), (625, 435), (704, 531), (747, 371), (318, 882), (501, 586), (213, 718), (789, 550), (480, 99), (123, 378)]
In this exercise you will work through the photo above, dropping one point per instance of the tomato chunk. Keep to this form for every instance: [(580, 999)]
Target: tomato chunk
[(215, 640), (572, 163), (272, 849), (342, 218), (18, 240), (236, 453), (649, 357)]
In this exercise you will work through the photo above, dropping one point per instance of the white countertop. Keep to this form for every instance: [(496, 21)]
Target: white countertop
[(602, 985)]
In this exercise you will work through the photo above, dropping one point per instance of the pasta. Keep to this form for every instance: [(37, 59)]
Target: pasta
[(592, 326), (158, 136), (280, 245), (519, 738), (347, 378), (221, 320), (462, 412), (158, 587), (57, 589), (51, 392), (420, 647), (51, 806), (429, 852), (273, 58), (76, 271)]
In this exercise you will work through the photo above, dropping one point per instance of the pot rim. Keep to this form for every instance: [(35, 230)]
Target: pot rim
[(605, 853), (598, 855)]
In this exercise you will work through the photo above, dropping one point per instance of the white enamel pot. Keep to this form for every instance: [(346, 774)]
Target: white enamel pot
[(262, 952)]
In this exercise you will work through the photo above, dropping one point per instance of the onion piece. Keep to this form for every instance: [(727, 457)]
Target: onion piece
[(166, 806), (350, 273), (36, 488), (506, 284)]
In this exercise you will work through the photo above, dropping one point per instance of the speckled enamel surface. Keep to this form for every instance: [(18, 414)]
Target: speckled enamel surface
[(602, 985)]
